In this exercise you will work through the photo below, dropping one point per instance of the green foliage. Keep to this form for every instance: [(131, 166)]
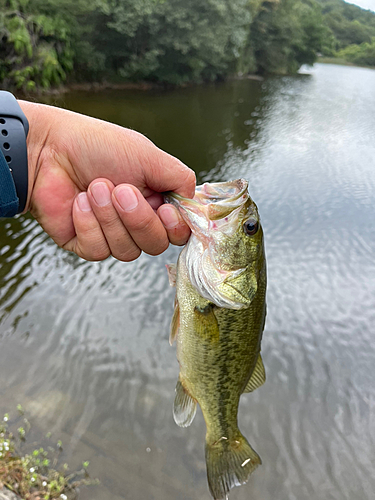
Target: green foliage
[(45, 43), (348, 23), (31, 475), (363, 55), (286, 34), (35, 48), (173, 41)]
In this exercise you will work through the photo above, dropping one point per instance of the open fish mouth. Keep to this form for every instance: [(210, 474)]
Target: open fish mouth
[(213, 201)]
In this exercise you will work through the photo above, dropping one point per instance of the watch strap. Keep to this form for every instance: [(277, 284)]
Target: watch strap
[(13, 132), (8, 197)]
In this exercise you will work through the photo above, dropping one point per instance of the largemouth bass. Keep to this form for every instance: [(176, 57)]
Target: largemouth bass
[(218, 323)]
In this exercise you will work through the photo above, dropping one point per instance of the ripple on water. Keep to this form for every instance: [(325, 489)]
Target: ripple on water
[(90, 340)]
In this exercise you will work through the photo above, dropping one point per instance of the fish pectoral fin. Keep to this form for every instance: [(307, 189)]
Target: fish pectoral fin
[(172, 273), (258, 377), (175, 323), (205, 323), (185, 406)]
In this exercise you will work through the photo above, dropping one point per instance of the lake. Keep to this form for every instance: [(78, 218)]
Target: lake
[(84, 346)]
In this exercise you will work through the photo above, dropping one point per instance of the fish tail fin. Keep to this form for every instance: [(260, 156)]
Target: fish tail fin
[(229, 463)]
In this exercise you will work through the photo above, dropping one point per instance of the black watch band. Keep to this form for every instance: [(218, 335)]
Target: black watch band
[(14, 128)]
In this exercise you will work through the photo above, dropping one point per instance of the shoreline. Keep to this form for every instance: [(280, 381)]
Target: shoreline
[(143, 85), (106, 85), (341, 62), (149, 86)]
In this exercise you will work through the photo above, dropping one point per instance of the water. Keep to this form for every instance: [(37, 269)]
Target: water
[(84, 346)]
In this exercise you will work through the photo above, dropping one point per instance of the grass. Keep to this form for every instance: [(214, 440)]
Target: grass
[(334, 60), (35, 476), (341, 62)]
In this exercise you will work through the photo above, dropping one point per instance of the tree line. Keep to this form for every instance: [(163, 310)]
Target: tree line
[(45, 43)]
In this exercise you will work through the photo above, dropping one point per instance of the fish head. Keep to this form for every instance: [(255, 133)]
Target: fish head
[(225, 253)]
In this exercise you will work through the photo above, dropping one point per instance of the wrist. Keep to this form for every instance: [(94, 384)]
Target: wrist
[(36, 140)]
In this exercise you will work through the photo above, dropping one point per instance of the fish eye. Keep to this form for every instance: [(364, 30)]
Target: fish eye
[(251, 227)]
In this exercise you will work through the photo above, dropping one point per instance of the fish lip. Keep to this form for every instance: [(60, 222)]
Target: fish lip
[(213, 192), (210, 201), (189, 209), (176, 200), (203, 194)]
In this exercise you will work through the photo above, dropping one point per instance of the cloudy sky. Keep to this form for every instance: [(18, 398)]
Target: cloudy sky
[(365, 4)]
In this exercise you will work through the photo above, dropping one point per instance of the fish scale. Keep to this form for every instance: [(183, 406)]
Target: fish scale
[(218, 348)]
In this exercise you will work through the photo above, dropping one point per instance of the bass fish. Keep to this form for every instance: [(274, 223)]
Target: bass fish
[(218, 321)]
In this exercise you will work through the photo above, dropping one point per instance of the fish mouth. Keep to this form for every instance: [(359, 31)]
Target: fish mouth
[(221, 192), (211, 201)]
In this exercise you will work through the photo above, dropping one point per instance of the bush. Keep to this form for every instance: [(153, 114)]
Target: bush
[(35, 49), (363, 55)]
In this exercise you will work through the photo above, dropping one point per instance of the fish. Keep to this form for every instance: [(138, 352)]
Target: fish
[(218, 322)]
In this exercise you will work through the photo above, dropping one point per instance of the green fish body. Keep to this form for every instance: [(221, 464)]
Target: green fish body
[(218, 323)]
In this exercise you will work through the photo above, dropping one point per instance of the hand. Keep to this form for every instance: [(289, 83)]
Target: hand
[(95, 187)]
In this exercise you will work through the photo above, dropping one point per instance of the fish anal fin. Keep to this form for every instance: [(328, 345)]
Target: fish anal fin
[(229, 463), (205, 323), (185, 406), (258, 377), (172, 273), (175, 323)]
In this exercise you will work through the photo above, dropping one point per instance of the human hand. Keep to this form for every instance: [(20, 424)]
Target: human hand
[(95, 187)]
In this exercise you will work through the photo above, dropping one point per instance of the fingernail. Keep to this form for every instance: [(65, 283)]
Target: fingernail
[(101, 194), (83, 202), (170, 218), (126, 198)]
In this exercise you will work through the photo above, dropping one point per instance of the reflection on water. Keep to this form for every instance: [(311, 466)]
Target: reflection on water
[(84, 346)]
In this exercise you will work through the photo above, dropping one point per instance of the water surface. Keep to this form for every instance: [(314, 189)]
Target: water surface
[(84, 346)]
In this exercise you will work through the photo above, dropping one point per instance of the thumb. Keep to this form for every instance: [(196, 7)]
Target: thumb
[(167, 173)]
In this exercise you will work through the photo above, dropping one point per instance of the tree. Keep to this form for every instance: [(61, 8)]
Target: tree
[(35, 49), (363, 54), (175, 41), (286, 34)]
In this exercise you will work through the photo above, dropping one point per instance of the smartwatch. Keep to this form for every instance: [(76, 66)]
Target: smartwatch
[(14, 128)]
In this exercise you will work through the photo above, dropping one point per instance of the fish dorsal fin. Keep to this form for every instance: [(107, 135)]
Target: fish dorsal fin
[(258, 377), (175, 323), (185, 406), (172, 273)]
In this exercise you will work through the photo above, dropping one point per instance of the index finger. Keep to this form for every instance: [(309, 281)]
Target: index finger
[(139, 219)]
